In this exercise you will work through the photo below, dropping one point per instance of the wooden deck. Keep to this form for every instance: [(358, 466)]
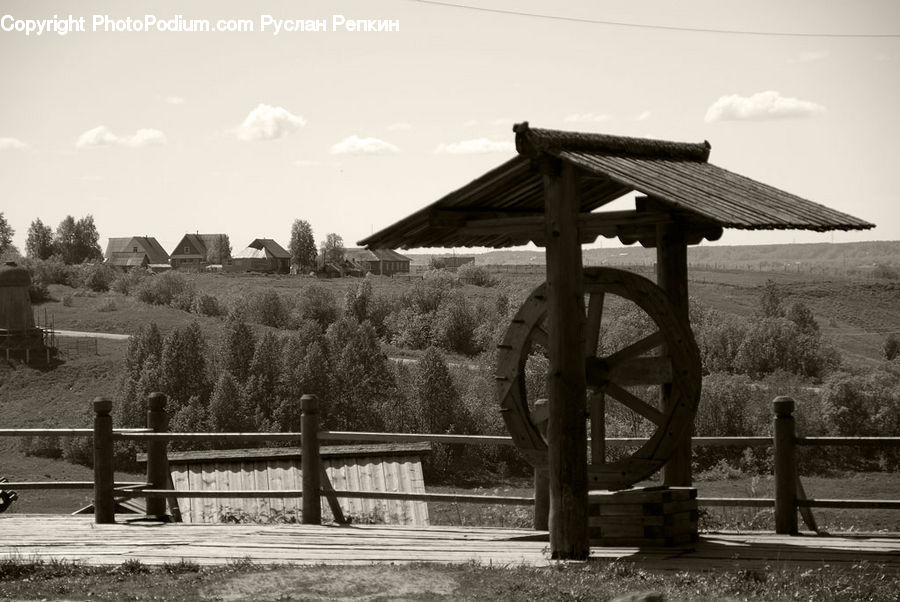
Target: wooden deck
[(79, 539)]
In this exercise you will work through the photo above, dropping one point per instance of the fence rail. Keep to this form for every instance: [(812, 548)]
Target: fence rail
[(788, 501)]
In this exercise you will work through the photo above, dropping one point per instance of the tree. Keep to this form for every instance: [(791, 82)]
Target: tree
[(183, 365), (303, 245), (39, 244), (225, 406), (219, 250), (236, 349), (333, 248), (770, 303), (77, 241), (6, 234)]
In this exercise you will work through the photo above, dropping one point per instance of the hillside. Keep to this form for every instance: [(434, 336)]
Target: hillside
[(818, 255)]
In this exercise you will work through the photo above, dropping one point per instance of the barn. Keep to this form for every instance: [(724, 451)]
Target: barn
[(262, 255), (381, 262), (136, 251)]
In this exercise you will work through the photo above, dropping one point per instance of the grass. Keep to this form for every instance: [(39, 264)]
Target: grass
[(48, 580)]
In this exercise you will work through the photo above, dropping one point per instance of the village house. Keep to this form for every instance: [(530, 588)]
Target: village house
[(262, 255), (192, 251), (381, 262), (136, 251)]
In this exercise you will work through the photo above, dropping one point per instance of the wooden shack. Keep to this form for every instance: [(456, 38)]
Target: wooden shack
[(383, 467)]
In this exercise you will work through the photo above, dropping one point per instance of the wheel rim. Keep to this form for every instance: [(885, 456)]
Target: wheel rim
[(677, 371)]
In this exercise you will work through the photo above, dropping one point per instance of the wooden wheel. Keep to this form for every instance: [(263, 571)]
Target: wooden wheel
[(668, 357)]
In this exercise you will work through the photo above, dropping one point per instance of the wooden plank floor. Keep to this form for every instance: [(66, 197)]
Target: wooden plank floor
[(79, 539)]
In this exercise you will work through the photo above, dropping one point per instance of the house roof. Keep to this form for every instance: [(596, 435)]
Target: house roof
[(149, 245), (271, 247), (251, 253), (363, 254), (677, 175), (200, 242)]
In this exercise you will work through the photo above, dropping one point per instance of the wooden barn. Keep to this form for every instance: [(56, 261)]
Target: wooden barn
[(262, 255), (381, 262), (193, 249), (136, 252), (394, 467)]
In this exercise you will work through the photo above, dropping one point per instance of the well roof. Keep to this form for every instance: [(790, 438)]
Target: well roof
[(676, 174)]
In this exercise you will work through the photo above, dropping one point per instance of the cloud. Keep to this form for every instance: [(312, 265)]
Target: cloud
[(582, 117), (102, 136), (173, 100), (399, 126), (643, 116), (476, 146), (809, 56), (12, 144), (501, 121), (470, 123), (354, 145), (266, 122), (762, 106)]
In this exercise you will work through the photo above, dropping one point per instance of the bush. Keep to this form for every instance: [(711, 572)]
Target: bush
[(317, 303), (477, 275), (205, 305), (108, 305), (96, 277), (38, 293), (49, 271), (127, 282), (890, 349), (168, 288)]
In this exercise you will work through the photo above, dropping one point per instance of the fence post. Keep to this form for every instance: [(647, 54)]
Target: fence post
[(104, 478), (309, 460), (541, 477), (157, 454), (785, 467)]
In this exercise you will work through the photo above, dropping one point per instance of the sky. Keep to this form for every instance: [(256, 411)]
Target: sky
[(162, 133)]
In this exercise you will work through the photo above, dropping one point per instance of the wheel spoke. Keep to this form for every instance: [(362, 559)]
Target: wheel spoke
[(637, 348), (594, 316), (634, 403), (642, 371)]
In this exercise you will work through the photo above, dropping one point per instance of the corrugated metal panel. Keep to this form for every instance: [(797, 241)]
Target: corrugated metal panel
[(675, 173)]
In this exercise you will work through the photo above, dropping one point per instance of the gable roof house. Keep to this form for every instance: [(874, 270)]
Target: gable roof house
[(381, 262), (136, 251), (192, 250), (262, 255)]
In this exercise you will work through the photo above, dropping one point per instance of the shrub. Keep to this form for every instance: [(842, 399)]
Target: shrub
[(318, 304), (168, 288), (477, 275), (454, 325), (127, 282), (205, 305), (49, 271), (38, 293), (96, 277), (107, 305), (890, 349)]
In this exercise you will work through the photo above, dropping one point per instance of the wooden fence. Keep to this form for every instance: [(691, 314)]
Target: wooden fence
[(789, 493)]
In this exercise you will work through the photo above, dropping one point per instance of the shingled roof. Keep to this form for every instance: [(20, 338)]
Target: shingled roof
[(119, 251), (677, 175)]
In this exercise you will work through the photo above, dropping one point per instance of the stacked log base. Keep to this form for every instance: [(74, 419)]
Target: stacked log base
[(643, 516)]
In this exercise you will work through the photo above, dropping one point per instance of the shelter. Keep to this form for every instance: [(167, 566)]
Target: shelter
[(549, 194), (262, 255), (381, 262), (136, 251)]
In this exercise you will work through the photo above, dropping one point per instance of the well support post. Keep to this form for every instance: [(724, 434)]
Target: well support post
[(785, 467), (309, 460), (566, 430), (157, 454), (672, 277), (104, 477)]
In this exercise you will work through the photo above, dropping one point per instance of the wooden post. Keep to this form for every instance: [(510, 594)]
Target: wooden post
[(671, 276), (104, 478), (157, 455), (785, 467), (566, 430), (541, 477), (309, 460)]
